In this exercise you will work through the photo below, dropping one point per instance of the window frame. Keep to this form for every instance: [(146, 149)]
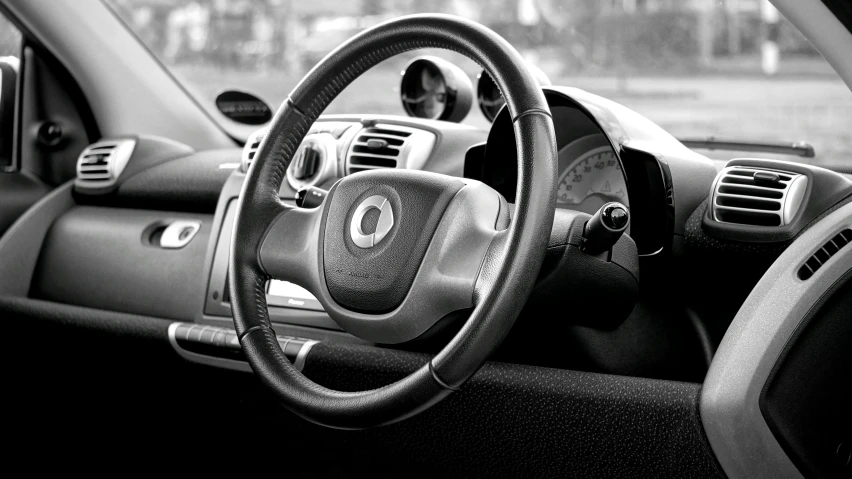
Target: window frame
[(14, 162)]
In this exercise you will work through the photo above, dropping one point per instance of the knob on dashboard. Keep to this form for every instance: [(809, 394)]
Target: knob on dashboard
[(605, 228)]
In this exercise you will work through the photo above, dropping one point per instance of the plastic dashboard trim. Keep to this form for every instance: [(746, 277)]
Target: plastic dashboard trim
[(730, 411)]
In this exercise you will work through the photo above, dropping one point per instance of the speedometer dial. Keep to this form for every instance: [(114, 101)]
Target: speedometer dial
[(591, 180)]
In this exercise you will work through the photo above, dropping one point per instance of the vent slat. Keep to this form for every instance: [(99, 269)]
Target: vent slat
[(805, 272), (750, 210), (387, 132), (751, 171), (739, 180), (831, 248), (747, 202), (371, 160), (744, 190), (824, 254), (96, 176), (392, 141), (751, 186), (383, 152), (729, 214)]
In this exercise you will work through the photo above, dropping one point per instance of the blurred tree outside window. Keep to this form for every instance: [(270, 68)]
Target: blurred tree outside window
[(698, 68)]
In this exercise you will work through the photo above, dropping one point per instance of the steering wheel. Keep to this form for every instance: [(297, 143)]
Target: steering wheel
[(389, 253)]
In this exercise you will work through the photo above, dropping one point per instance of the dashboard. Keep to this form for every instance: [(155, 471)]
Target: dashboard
[(124, 273), (606, 153), (599, 161)]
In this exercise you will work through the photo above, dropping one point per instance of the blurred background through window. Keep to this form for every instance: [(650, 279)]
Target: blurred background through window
[(725, 68)]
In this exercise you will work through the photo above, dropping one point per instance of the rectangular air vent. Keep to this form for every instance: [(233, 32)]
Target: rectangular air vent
[(376, 148), (829, 249), (100, 164), (757, 196), (389, 146), (250, 149)]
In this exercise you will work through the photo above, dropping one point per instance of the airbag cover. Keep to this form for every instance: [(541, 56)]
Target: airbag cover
[(376, 279)]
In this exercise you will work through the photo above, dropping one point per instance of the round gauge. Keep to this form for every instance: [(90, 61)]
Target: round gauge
[(435, 89), (591, 180), (488, 95)]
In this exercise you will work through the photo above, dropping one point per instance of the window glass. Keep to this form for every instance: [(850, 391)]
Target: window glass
[(730, 69)]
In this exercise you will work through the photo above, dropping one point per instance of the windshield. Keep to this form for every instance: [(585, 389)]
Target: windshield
[(733, 69)]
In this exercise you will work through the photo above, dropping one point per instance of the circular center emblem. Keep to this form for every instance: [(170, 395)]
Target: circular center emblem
[(361, 238)]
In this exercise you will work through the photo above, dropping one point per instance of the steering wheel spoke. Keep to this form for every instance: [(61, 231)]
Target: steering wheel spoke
[(288, 250)]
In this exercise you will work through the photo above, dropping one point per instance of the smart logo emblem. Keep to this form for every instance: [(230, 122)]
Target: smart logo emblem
[(363, 239)]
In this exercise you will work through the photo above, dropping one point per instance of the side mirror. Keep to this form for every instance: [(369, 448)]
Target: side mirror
[(8, 91)]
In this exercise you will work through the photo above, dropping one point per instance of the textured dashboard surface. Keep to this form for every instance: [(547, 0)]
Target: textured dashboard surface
[(192, 183), (512, 421), (507, 421)]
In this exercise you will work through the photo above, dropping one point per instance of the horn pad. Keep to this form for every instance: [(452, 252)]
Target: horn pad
[(371, 271)]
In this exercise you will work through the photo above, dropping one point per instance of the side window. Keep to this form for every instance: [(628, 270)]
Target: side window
[(10, 54)]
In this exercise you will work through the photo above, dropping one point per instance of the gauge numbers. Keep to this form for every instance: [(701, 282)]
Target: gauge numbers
[(594, 177)]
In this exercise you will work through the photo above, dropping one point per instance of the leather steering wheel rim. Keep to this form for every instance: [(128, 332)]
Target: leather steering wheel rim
[(507, 275)]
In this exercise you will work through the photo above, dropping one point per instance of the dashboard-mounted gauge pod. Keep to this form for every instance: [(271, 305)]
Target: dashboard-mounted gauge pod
[(488, 95), (436, 89), (243, 107)]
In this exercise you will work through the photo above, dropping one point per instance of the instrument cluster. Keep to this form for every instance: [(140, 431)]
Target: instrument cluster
[(596, 165), (434, 89)]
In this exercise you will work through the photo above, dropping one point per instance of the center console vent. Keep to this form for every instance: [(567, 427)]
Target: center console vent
[(100, 164), (389, 146), (757, 196)]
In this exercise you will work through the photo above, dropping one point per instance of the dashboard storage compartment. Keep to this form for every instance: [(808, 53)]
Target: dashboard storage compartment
[(103, 258)]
